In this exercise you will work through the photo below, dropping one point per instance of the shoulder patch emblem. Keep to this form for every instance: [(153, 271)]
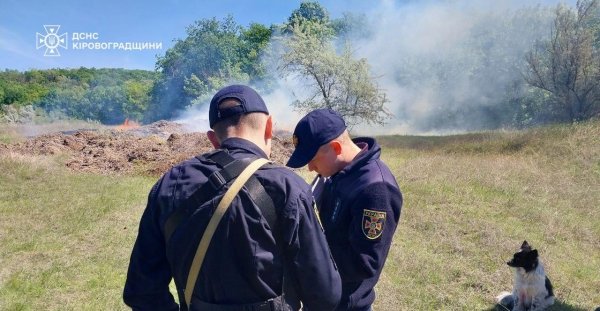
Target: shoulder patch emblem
[(373, 222)]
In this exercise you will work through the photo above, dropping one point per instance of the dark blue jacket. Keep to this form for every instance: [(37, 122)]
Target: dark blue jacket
[(243, 264), (360, 208)]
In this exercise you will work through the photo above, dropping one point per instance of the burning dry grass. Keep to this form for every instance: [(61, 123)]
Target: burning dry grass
[(128, 125)]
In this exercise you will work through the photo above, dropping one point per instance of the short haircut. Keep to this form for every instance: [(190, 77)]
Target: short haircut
[(253, 121)]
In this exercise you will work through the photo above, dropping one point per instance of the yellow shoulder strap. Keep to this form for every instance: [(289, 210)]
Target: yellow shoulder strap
[(214, 222)]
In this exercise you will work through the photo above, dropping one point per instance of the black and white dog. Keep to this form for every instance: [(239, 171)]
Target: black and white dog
[(532, 289)]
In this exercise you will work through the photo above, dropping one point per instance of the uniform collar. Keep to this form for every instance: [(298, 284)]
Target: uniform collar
[(236, 144), (369, 150)]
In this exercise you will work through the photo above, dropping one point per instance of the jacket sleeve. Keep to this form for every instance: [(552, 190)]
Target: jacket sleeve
[(369, 246), (149, 274), (319, 283)]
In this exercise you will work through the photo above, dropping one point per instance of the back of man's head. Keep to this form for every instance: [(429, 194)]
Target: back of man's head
[(238, 111), (240, 124)]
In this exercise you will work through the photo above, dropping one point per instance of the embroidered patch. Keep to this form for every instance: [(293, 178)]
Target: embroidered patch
[(295, 141), (373, 222)]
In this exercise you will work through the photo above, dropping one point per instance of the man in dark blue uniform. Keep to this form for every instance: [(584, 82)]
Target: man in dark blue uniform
[(251, 263), (358, 199)]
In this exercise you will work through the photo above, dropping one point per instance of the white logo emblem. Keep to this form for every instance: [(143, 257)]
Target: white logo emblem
[(51, 40)]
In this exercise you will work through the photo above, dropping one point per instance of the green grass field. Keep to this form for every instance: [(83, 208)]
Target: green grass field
[(470, 200)]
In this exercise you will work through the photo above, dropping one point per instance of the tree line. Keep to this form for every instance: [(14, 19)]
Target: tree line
[(104, 95), (558, 79)]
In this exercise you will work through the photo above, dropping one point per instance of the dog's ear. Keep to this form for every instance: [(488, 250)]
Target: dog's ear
[(525, 246), (534, 253)]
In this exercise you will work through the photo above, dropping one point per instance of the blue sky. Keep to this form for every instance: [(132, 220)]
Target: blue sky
[(121, 21)]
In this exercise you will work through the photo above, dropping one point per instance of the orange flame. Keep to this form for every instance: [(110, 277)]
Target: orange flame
[(128, 124)]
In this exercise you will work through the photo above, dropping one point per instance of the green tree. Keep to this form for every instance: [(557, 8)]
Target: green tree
[(568, 65), (310, 11), (137, 98), (14, 93), (213, 53), (310, 18), (333, 81), (68, 101), (106, 104), (255, 40), (106, 95)]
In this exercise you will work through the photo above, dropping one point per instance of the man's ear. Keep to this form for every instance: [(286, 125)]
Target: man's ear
[(336, 146), (212, 136), (269, 128)]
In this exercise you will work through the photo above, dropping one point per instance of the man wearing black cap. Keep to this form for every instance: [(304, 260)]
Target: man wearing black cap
[(268, 251), (358, 199)]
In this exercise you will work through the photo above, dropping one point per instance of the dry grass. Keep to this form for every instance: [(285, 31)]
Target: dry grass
[(470, 200), (65, 238)]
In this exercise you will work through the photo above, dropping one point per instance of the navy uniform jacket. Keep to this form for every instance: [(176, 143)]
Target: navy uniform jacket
[(360, 208), (243, 264)]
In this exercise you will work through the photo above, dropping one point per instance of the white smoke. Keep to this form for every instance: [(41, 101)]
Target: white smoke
[(278, 101), (436, 61), (195, 117), (440, 59)]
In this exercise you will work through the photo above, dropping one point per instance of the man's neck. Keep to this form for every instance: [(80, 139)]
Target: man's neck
[(261, 143), (352, 150)]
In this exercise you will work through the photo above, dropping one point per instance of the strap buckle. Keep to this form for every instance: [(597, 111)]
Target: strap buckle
[(216, 180)]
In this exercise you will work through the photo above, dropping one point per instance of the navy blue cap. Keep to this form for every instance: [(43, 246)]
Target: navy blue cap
[(250, 101), (317, 128)]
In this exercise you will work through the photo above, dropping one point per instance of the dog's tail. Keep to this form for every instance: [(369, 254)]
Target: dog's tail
[(506, 300)]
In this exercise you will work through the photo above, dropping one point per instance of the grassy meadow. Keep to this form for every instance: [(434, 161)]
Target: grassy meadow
[(469, 202)]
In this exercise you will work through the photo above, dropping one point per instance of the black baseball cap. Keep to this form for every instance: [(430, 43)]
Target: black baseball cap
[(314, 130), (250, 101)]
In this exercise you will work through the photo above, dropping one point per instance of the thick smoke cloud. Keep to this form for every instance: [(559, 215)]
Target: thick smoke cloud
[(446, 66), (452, 65)]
